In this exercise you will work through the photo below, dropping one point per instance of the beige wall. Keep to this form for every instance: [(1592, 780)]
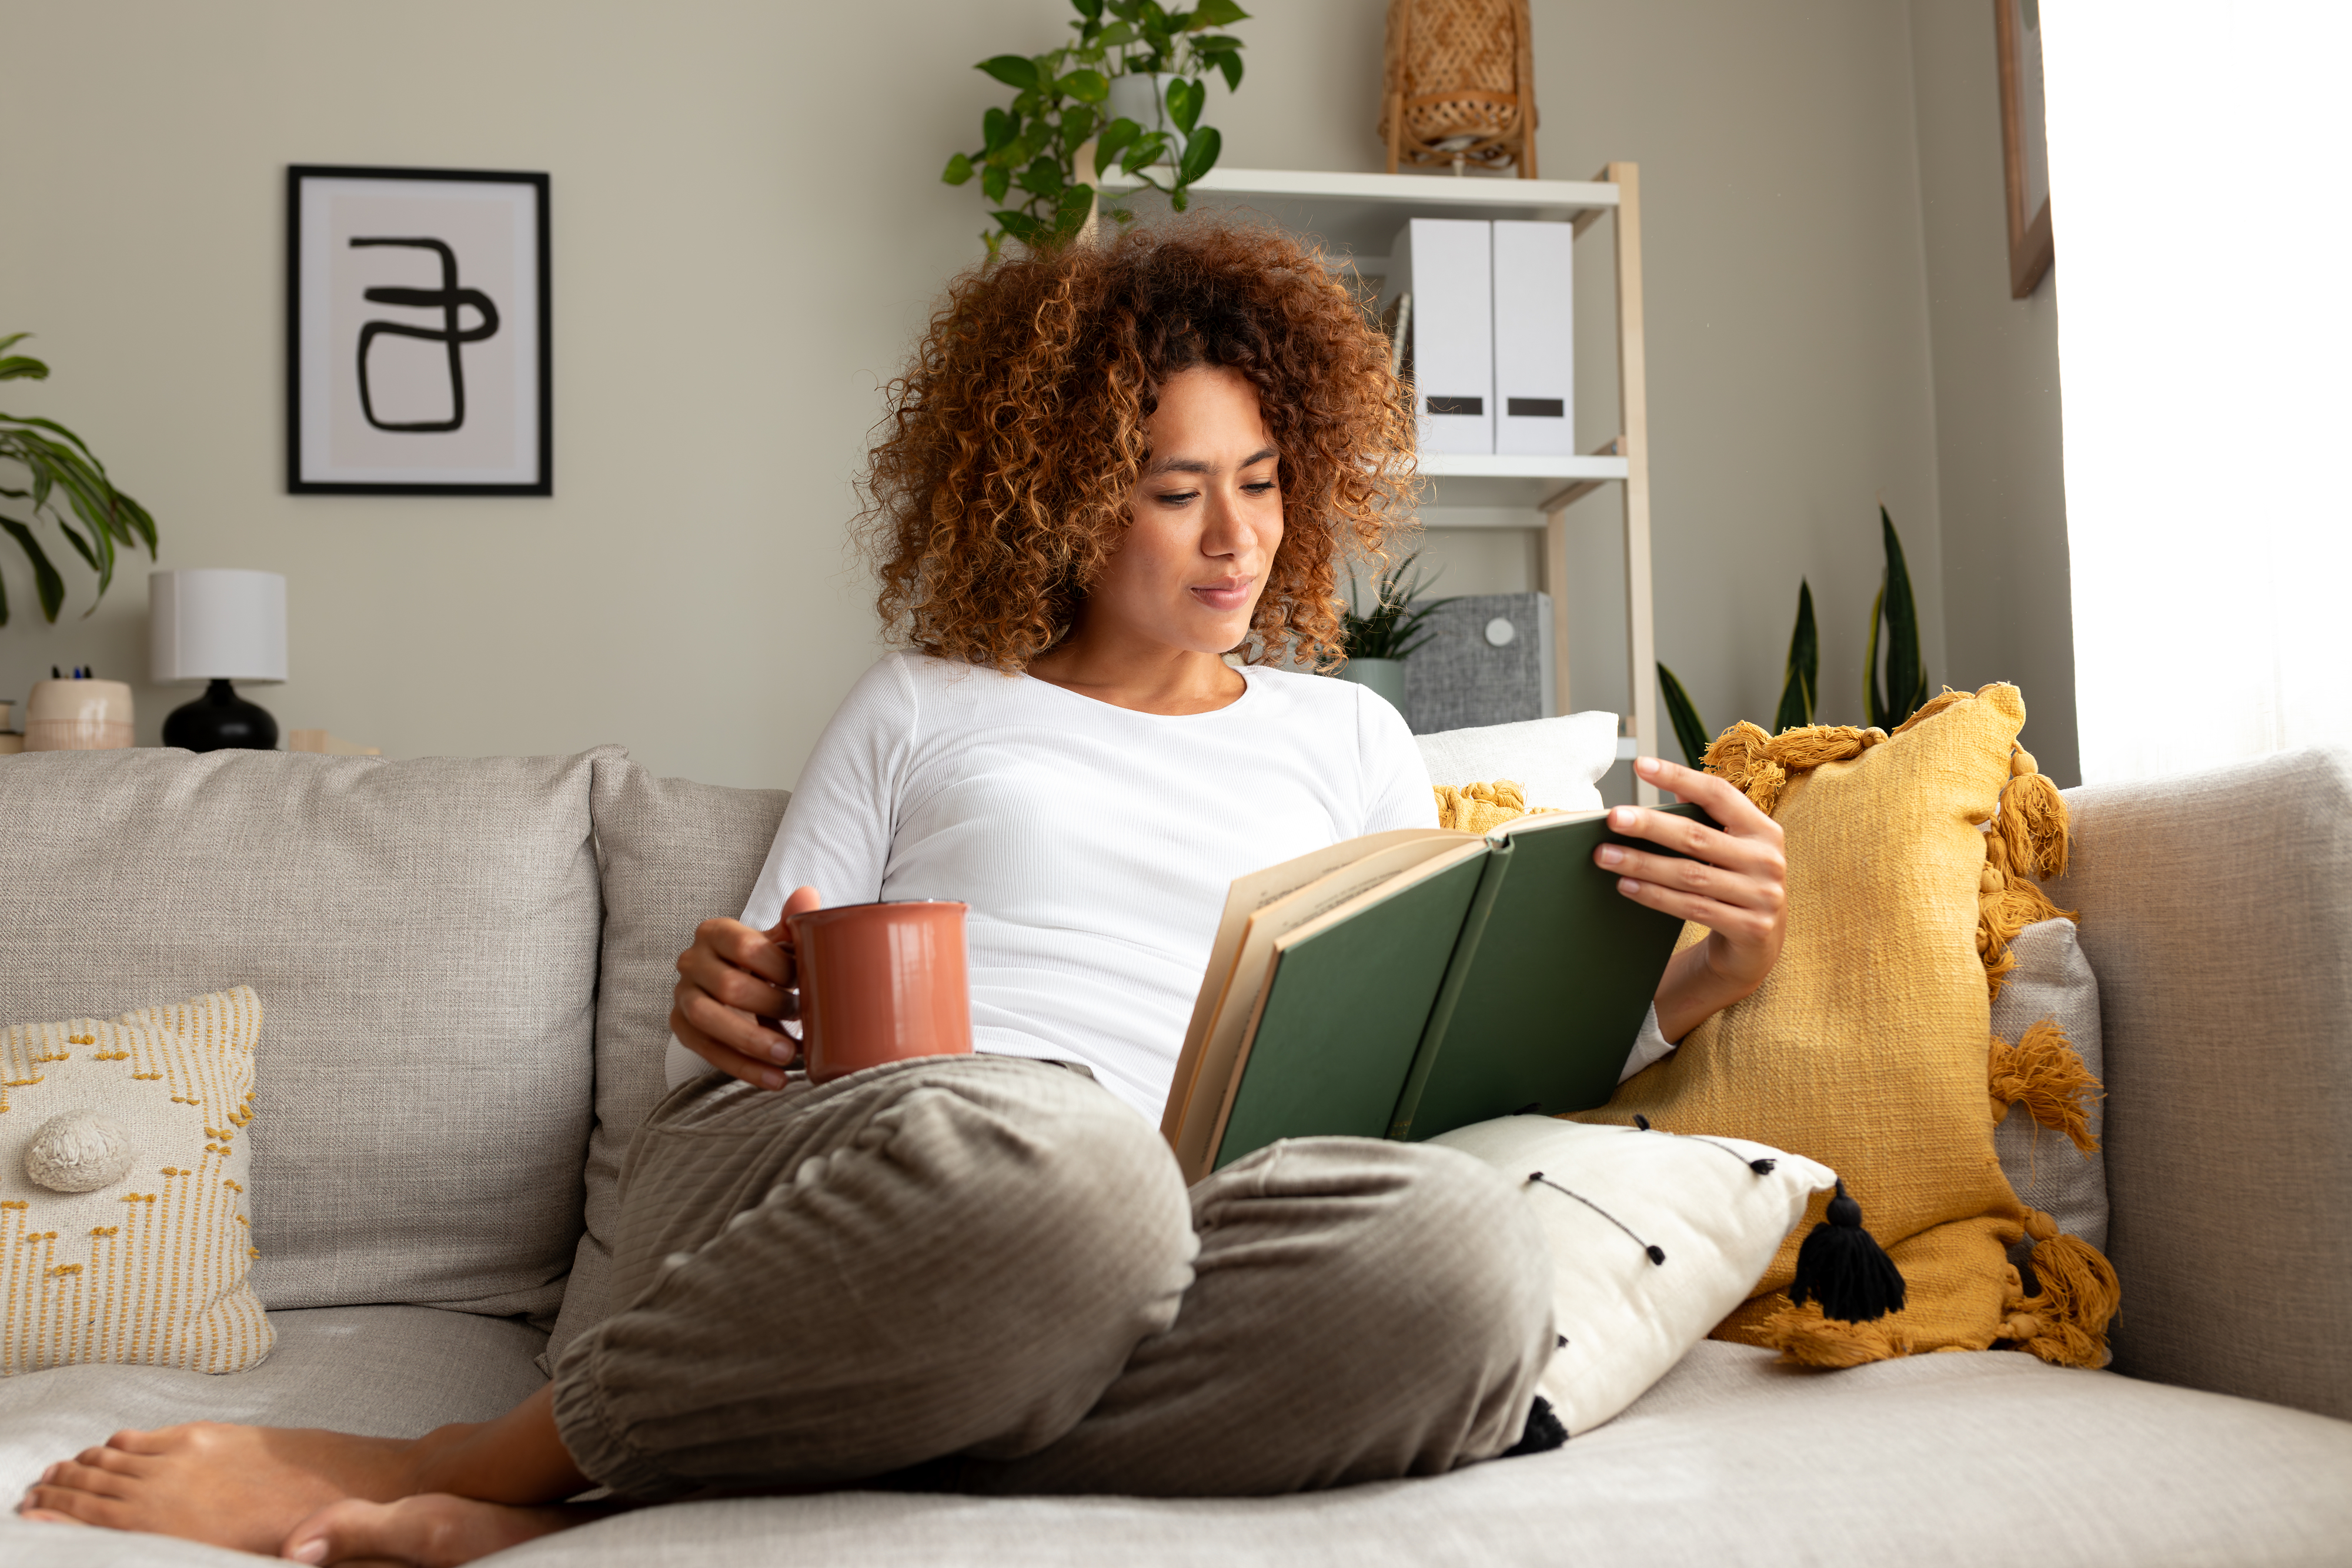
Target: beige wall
[(747, 231), (2007, 601)]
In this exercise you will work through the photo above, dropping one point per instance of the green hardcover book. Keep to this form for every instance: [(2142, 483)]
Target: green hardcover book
[(1473, 978)]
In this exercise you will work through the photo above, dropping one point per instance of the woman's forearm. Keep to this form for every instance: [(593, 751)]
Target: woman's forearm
[(1692, 991)]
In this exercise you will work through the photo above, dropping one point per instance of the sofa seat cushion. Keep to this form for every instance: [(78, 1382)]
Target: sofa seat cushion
[(1930, 1461), (1927, 1461), (390, 1372), (423, 938)]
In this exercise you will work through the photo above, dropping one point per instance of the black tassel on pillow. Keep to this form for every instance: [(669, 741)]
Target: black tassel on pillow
[(1843, 1267), (1544, 1432)]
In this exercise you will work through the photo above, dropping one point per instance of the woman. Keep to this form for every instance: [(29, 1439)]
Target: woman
[(1106, 471)]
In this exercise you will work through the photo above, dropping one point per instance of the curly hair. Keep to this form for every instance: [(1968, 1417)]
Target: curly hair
[(998, 482)]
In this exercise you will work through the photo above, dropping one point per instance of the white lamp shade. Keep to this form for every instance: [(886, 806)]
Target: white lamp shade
[(216, 623)]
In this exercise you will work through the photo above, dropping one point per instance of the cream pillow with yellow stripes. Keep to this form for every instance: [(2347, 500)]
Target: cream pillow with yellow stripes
[(123, 1167)]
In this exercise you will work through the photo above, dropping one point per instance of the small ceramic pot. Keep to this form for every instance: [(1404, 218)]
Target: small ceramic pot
[(881, 982), (1143, 97), (1385, 676), (77, 715)]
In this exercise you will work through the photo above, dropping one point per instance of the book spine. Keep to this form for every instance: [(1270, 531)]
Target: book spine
[(1457, 973)]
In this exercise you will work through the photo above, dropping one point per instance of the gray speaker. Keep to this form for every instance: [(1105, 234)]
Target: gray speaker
[(1489, 661)]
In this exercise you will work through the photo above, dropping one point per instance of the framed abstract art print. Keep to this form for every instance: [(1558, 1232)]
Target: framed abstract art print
[(416, 331)]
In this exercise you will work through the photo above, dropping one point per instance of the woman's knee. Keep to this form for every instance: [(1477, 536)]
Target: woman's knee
[(1421, 1249), (1469, 1260)]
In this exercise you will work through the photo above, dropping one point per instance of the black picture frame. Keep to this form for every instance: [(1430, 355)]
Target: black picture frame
[(314, 369)]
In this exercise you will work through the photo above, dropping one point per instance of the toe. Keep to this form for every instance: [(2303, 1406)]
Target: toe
[(76, 1507), (68, 1475), (145, 1442), (116, 1460)]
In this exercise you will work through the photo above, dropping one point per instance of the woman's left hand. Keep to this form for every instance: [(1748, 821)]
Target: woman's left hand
[(1734, 883)]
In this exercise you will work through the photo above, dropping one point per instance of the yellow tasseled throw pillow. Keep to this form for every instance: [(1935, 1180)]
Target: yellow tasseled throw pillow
[(125, 1235), (1869, 1047), (1481, 808)]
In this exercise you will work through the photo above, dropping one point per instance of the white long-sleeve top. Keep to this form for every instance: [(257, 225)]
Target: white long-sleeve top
[(1094, 844)]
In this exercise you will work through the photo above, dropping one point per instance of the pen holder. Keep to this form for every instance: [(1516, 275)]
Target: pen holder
[(77, 715)]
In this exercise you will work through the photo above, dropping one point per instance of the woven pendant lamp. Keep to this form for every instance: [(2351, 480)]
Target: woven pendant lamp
[(1459, 85)]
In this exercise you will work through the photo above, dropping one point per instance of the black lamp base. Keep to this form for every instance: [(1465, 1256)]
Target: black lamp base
[(221, 720)]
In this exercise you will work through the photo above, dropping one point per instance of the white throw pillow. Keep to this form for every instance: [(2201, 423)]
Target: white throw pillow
[(1606, 1197), (1557, 761), (125, 1233)]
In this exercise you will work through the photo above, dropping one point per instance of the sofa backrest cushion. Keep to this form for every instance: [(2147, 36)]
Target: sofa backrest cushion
[(672, 854), (2217, 913), (423, 938)]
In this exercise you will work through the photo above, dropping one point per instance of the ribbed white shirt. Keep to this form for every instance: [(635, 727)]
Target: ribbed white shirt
[(1094, 844)]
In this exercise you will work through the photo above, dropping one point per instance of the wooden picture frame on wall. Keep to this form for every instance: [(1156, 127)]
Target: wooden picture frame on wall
[(2024, 141)]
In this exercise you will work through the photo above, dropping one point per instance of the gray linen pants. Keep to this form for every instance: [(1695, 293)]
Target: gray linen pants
[(985, 1274)]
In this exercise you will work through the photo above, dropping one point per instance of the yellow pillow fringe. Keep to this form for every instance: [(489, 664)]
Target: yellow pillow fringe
[(1482, 807), (1801, 1334), (2042, 1072), (2066, 1322)]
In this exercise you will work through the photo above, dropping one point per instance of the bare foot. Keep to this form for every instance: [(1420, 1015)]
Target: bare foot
[(435, 1531), (241, 1487)]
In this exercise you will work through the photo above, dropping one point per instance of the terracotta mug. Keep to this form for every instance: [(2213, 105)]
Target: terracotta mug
[(881, 982)]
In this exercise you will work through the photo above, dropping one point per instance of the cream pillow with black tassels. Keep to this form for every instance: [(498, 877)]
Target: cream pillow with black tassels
[(125, 1234), (1653, 1238)]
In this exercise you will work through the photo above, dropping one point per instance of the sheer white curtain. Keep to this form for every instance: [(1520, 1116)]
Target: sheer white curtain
[(2200, 172)]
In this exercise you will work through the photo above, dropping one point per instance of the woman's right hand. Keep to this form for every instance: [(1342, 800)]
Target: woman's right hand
[(733, 984)]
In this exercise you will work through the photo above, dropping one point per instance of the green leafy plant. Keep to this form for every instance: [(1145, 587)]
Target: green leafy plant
[(1801, 678), (57, 463), (1031, 145), (1906, 673), (1393, 629)]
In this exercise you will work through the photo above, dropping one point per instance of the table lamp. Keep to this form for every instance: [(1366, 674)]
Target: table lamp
[(216, 625)]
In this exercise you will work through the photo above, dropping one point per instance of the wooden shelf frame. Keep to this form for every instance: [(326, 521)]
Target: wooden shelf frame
[(1354, 212)]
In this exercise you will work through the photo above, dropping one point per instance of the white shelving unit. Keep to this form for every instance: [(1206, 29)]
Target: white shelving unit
[(1356, 217)]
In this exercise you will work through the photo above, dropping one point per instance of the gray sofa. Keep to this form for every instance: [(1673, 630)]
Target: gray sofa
[(465, 965)]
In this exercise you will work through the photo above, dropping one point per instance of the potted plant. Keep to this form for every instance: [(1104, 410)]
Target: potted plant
[(56, 463), (1070, 99), (1905, 686), (1377, 644)]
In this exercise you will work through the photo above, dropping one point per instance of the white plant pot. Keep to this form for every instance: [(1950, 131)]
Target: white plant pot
[(1384, 676), (1144, 99)]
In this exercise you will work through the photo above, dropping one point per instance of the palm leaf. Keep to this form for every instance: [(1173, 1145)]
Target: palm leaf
[(46, 580), (55, 460), (1689, 729)]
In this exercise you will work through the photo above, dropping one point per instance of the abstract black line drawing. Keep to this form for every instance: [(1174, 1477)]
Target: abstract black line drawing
[(401, 283), (450, 300)]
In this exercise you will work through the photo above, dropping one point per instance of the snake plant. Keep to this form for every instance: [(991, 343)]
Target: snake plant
[(1903, 689), (1906, 673)]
